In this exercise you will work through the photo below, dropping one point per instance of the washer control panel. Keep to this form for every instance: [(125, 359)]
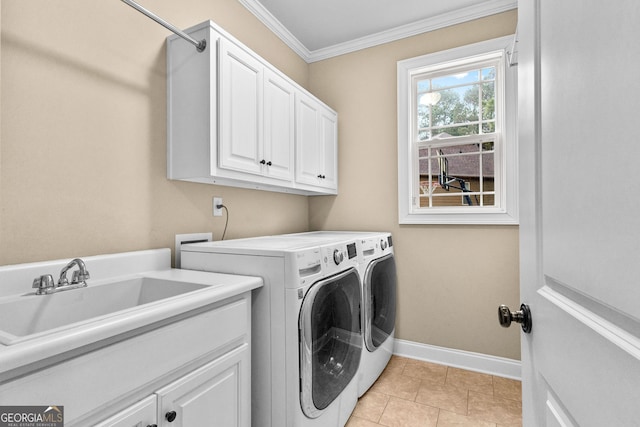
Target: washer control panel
[(341, 255)]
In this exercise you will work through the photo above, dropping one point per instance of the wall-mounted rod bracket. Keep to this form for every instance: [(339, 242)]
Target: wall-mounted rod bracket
[(200, 45)]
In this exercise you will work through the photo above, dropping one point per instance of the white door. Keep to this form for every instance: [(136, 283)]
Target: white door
[(579, 91)]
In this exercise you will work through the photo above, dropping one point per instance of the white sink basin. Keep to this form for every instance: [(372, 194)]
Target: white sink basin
[(31, 315)]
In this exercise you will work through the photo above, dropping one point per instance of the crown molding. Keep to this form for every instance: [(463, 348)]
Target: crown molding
[(470, 13), (270, 21)]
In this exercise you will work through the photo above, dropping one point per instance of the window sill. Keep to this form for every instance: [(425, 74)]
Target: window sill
[(490, 217)]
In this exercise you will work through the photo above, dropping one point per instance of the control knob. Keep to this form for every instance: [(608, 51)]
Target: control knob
[(338, 256), (384, 244)]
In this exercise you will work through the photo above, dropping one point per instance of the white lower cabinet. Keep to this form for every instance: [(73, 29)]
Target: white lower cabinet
[(209, 396), (195, 367)]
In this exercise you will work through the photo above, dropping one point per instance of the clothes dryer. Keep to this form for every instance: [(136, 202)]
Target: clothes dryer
[(379, 291), (377, 269), (306, 336)]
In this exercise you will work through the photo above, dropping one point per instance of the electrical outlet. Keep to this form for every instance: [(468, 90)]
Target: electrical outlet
[(217, 211)]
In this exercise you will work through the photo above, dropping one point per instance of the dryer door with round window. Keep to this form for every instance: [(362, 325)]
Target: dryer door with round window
[(330, 340), (379, 301)]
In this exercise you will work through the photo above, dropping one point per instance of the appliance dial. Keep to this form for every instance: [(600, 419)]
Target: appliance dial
[(383, 244), (338, 256)]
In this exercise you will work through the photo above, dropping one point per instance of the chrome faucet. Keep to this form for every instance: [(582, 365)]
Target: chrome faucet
[(45, 284), (80, 275)]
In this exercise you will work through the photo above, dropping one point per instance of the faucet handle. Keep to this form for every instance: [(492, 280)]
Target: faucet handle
[(79, 276), (43, 283)]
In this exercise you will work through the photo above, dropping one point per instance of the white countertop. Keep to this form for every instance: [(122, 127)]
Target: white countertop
[(60, 343)]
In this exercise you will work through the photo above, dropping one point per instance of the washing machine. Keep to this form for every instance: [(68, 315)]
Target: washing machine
[(306, 336), (377, 269)]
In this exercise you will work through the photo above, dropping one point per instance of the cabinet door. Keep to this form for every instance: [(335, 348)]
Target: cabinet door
[(141, 414), (279, 96), (218, 394), (308, 161), (316, 143), (240, 108), (329, 147)]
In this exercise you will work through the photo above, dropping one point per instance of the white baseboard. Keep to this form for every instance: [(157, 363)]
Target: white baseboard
[(494, 365)]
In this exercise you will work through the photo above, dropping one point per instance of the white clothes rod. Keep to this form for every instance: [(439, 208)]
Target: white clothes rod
[(200, 45)]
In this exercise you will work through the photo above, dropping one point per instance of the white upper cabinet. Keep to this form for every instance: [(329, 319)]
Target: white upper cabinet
[(317, 135), (233, 119)]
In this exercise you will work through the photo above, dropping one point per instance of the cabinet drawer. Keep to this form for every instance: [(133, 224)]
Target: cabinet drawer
[(142, 414)]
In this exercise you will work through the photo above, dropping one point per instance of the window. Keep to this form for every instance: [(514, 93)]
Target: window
[(457, 150)]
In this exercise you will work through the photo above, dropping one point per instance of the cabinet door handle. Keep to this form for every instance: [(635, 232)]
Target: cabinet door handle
[(269, 163), (152, 425), (170, 416), (263, 161)]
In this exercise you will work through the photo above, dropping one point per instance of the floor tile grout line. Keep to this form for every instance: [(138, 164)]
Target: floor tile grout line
[(493, 386), (384, 409), (468, 396)]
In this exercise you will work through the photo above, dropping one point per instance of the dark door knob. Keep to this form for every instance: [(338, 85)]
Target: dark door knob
[(170, 416), (522, 316)]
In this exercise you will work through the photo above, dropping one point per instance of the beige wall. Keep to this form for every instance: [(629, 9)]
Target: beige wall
[(82, 152), (451, 278), (83, 137)]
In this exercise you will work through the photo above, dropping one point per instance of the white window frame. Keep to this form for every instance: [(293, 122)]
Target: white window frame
[(506, 155)]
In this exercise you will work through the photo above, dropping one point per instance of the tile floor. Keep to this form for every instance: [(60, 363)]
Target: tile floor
[(412, 393)]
